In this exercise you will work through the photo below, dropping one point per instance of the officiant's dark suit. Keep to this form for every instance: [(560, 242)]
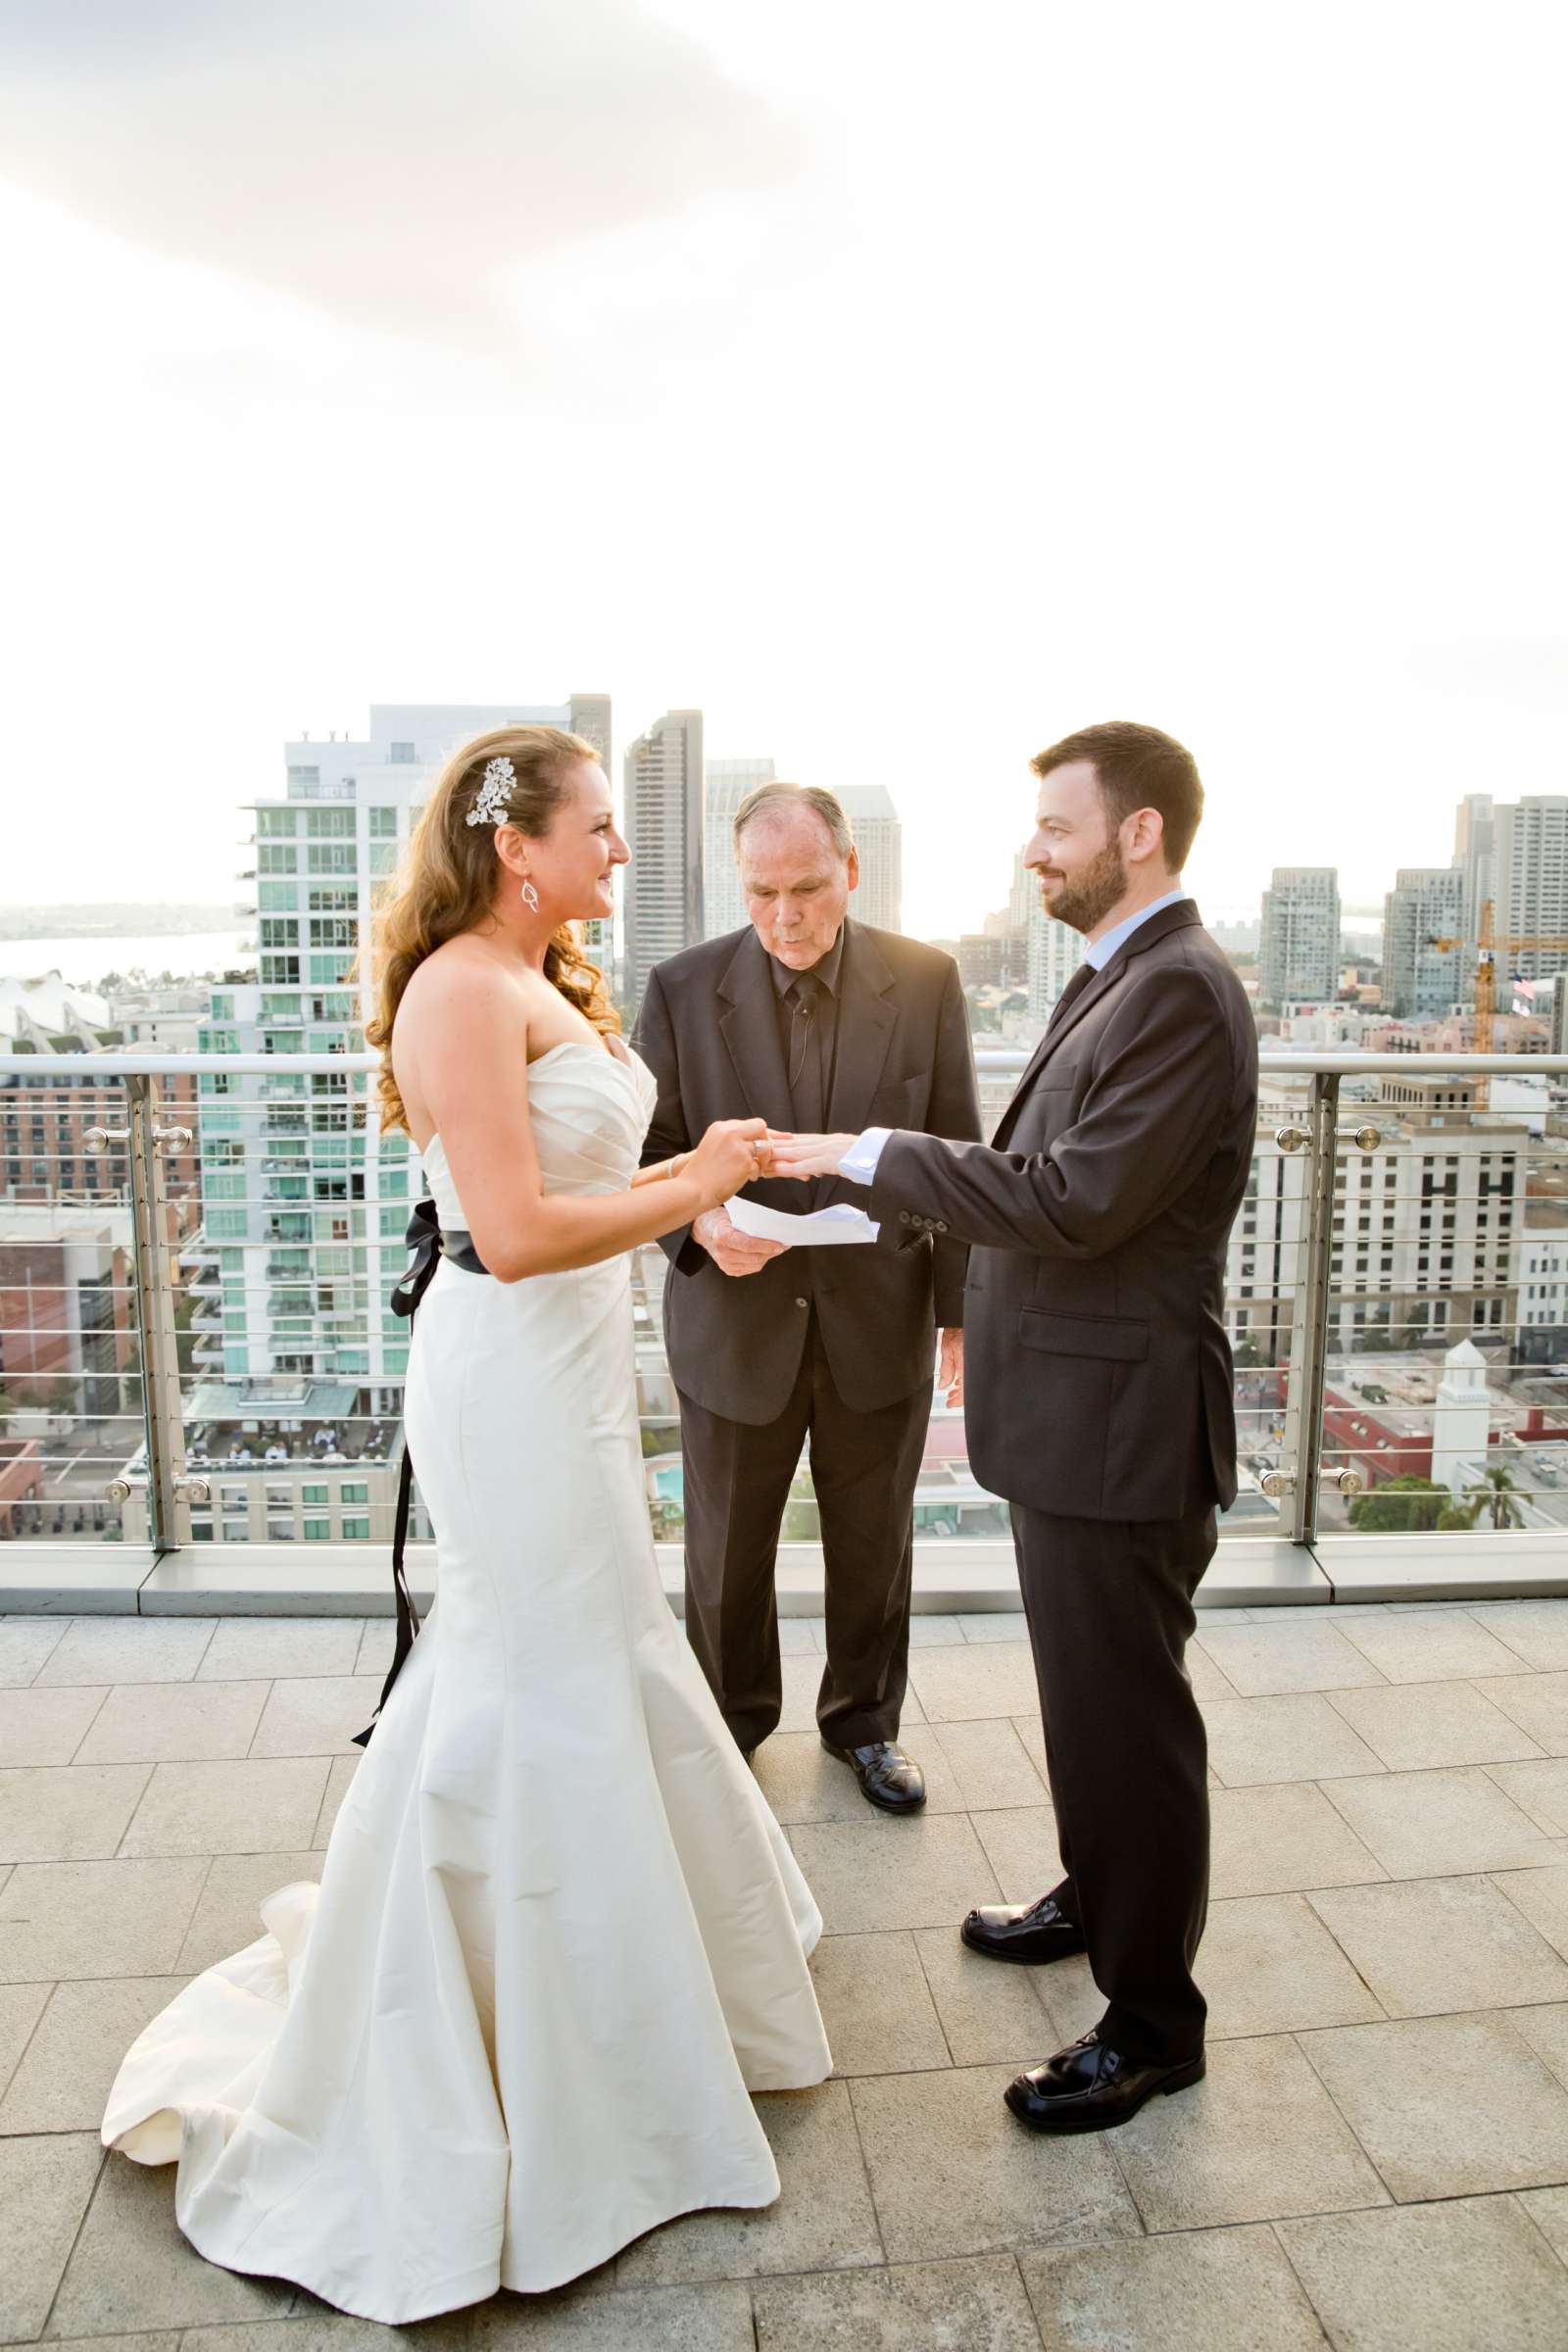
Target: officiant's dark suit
[(1098, 1400), (834, 1345)]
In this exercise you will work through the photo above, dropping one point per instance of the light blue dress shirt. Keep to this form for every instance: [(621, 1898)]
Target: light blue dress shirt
[(859, 1164)]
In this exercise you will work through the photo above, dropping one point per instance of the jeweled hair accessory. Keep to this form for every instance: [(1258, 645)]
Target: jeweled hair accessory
[(490, 809)]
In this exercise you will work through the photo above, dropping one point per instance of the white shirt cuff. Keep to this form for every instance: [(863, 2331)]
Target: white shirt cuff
[(860, 1160)]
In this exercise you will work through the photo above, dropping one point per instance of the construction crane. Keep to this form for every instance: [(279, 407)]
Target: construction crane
[(1488, 944)]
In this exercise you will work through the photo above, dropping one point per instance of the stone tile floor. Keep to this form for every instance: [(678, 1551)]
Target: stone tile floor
[(1378, 2159)]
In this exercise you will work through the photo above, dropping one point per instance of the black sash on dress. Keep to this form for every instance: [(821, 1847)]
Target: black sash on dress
[(428, 1245)]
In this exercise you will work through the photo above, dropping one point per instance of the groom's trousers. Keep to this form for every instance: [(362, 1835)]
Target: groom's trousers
[(737, 1486), (1110, 1608)]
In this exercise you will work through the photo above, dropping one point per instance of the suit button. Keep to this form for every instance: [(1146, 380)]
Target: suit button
[(941, 1227), (905, 1218), (802, 1302)]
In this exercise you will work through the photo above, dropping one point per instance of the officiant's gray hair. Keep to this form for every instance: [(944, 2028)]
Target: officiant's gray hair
[(788, 800)]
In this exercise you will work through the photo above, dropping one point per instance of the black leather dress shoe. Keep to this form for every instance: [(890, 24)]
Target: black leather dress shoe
[(887, 1775), (1035, 1934), (1091, 2088)]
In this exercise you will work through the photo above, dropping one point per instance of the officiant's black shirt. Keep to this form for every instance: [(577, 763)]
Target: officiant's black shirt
[(822, 1039)]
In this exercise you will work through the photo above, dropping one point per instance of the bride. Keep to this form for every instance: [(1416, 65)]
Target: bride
[(558, 1936)]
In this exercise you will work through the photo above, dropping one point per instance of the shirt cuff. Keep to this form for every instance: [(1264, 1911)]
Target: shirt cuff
[(860, 1160)]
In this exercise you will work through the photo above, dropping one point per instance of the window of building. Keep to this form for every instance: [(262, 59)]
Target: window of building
[(384, 823), (281, 1531), (355, 1491), (276, 859), (401, 754), (318, 1531), (329, 824), (275, 824), (356, 1530)]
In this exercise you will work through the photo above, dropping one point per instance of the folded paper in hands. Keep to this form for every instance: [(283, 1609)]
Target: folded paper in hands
[(819, 1228)]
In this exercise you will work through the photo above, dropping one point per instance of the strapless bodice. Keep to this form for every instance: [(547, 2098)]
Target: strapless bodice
[(589, 1111)]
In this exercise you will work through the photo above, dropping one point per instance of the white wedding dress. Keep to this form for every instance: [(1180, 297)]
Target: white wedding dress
[(558, 1936)]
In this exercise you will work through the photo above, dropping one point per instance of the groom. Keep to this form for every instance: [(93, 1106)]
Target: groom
[(1099, 1386)]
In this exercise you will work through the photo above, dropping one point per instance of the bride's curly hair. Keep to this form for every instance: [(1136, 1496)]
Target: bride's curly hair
[(448, 883)]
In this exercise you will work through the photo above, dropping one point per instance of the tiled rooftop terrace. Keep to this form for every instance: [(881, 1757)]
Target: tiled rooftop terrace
[(1378, 2159)]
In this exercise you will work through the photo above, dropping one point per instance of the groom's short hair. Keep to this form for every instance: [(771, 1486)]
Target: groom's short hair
[(1138, 768)]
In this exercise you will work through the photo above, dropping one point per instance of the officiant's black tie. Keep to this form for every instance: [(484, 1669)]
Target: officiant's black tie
[(804, 992), (1072, 993)]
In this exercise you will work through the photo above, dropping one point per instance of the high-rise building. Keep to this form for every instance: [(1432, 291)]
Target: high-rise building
[(305, 1200), (1473, 832), (879, 838), (665, 820), (728, 784), (1421, 980), (1530, 880), (1299, 950)]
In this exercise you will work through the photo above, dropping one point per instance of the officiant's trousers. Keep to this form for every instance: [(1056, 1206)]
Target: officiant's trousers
[(737, 1484), (1109, 1607)]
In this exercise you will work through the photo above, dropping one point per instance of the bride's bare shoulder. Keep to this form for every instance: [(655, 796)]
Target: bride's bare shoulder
[(463, 974)]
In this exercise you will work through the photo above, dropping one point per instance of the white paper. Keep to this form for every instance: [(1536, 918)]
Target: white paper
[(818, 1228)]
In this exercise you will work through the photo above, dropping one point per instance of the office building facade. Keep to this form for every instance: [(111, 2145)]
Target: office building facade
[(665, 820), (1300, 947), (1423, 979), (727, 783)]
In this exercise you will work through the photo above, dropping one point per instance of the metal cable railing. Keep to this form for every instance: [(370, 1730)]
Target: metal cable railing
[(195, 1252)]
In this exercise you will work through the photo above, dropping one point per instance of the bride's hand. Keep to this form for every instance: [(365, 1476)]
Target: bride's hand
[(733, 1153), (805, 1156)]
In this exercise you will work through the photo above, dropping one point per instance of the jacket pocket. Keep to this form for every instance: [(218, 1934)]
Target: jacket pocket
[(1123, 1339)]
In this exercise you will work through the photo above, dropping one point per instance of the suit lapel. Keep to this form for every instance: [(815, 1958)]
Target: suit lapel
[(749, 1027), (867, 1018), (1169, 918), (1047, 1044)]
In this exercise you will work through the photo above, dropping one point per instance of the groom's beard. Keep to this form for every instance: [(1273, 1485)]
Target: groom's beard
[(1090, 898)]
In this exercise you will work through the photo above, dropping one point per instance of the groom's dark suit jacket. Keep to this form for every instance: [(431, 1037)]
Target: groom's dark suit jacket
[(1097, 1373), (708, 1030)]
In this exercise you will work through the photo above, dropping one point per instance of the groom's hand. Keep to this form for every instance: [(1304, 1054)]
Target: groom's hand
[(950, 1367), (808, 1156), (731, 1250)]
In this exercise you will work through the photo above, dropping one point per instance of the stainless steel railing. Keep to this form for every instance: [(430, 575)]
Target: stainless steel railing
[(1324, 1120)]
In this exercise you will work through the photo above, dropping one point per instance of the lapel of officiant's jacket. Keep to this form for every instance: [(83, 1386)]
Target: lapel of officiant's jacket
[(1157, 927), (867, 1018)]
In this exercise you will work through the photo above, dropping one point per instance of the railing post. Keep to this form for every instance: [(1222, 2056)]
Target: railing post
[(1309, 1336), (153, 1275)]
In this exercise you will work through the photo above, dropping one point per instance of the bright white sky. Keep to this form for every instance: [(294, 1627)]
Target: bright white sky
[(902, 385)]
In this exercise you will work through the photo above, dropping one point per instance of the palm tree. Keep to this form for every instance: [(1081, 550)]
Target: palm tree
[(1495, 1493)]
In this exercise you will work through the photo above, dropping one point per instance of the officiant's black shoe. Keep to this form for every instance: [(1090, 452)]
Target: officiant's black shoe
[(1091, 2088), (1033, 1934), (887, 1775)]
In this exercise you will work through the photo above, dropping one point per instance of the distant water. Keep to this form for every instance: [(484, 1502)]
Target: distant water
[(85, 961)]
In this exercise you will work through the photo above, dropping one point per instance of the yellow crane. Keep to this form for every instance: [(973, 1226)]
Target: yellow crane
[(1488, 943)]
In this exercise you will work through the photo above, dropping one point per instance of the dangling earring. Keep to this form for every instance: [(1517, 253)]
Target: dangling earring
[(531, 897)]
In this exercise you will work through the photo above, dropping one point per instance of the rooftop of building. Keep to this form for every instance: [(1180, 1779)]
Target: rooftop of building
[(1378, 2156)]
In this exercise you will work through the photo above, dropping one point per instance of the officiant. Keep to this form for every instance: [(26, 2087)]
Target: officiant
[(816, 1023)]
